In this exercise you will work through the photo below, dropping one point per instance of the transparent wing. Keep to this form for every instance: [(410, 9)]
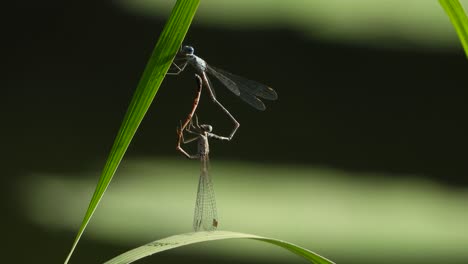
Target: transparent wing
[(205, 217), (248, 90), (249, 86), (235, 88), (231, 85)]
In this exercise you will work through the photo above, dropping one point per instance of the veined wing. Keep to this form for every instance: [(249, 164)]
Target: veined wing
[(231, 85), (247, 88), (205, 217), (235, 88)]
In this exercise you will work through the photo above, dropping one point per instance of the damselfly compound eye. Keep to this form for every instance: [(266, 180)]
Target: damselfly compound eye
[(207, 128), (189, 50)]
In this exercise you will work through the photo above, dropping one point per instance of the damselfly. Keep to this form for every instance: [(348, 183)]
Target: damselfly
[(248, 90), (205, 217)]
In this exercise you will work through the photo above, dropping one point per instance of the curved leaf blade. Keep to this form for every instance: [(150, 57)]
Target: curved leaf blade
[(197, 237), (164, 52), (458, 17)]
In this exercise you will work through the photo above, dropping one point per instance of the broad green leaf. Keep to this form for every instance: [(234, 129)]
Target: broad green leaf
[(197, 237), (457, 16), (164, 52)]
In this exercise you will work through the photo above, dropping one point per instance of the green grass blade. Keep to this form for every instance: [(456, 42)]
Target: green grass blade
[(166, 48), (457, 16), (197, 237)]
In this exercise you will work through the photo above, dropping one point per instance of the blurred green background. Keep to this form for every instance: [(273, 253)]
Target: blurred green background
[(362, 158)]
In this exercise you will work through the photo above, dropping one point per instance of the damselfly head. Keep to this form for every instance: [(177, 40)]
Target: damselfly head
[(187, 50), (206, 128)]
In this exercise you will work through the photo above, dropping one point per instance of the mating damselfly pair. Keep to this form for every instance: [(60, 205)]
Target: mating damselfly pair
[(249, 91)]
